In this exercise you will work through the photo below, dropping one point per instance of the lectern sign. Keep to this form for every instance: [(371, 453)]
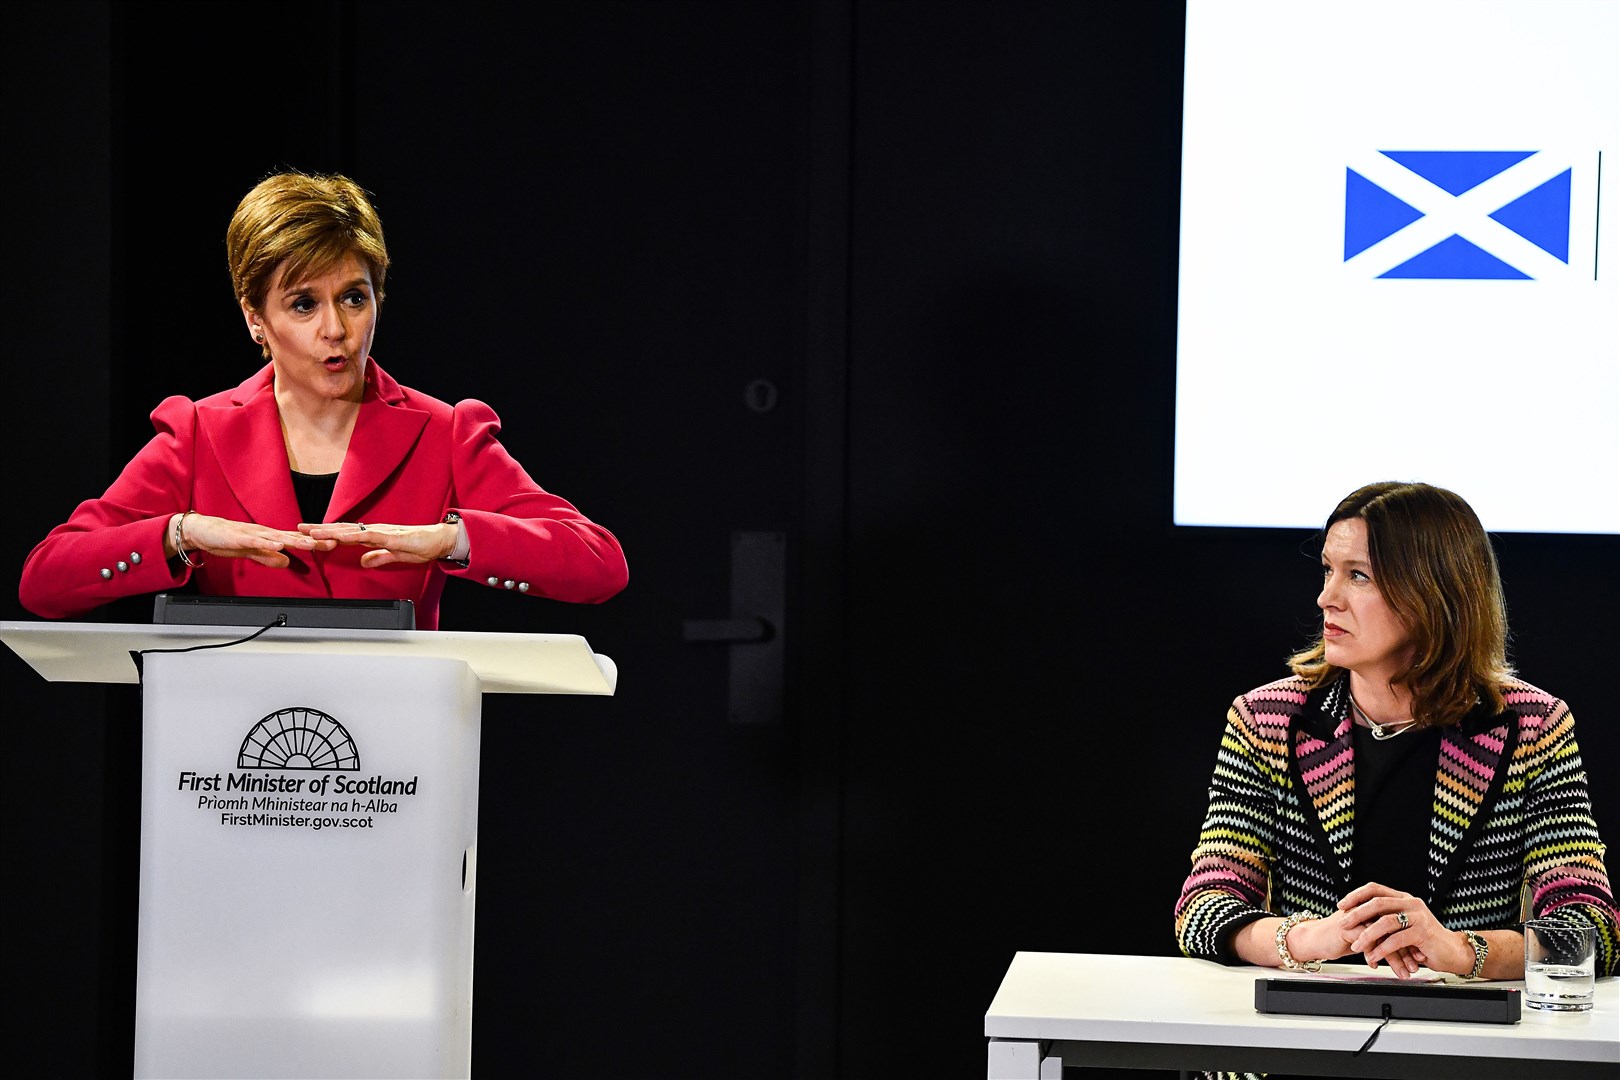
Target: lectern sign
[(294, 770)]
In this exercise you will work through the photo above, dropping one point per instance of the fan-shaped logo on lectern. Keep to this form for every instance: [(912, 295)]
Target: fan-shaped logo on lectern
[(298, 739)]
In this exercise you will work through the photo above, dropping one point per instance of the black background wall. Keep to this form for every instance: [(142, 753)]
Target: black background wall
[(945, 233)]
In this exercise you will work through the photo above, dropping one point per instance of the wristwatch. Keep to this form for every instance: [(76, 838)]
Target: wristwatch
[(453, 518), (1482, 949)]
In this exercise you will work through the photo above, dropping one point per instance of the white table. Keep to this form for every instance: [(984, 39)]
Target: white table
[(1158, 1012)]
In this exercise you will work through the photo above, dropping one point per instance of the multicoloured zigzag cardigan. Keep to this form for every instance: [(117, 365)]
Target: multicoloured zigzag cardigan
[(1511, 830)]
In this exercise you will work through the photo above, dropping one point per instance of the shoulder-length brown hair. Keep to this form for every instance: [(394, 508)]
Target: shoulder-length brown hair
[(1435, 566)]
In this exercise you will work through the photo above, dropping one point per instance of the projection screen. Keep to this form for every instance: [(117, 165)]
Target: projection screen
[(1397, 260)]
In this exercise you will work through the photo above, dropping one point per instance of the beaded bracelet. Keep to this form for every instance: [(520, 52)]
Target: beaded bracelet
[(1283, 954), (1481, 948), (179, 545)]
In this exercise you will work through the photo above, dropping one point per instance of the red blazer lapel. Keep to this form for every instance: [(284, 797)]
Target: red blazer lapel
[(245, 438), (384, 434)]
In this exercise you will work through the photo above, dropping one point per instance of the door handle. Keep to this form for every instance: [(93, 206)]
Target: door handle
[(753, 632)]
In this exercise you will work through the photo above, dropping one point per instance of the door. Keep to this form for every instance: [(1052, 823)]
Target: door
[(599, 219)]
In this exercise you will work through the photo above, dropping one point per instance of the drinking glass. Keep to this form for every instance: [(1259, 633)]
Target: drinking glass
[(1560, 965)]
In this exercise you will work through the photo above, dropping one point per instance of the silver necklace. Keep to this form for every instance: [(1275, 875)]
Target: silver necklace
[(1381, 732)]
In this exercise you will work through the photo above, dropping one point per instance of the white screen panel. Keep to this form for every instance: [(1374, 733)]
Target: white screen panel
[(1397, 259)]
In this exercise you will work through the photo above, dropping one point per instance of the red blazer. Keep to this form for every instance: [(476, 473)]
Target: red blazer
[(411, 459)]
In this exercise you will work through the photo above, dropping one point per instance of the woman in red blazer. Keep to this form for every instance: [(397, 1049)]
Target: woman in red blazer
[(320, 475)]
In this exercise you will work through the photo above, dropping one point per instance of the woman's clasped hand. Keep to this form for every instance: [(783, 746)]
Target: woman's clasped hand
[(1385, 924)]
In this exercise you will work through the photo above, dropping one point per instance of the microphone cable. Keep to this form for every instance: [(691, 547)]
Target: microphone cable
[(137, 654)]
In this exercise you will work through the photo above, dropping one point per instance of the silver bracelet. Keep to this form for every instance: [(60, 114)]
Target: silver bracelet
[(179, 547), (1283, 954), (1482, 949)]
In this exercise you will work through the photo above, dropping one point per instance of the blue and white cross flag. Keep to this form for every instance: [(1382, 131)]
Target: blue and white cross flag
[(1412, 196)]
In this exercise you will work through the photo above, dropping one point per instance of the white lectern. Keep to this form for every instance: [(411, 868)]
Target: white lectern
[(309, 822)]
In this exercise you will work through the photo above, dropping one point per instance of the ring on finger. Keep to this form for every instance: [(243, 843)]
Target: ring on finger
[(1400, 917)]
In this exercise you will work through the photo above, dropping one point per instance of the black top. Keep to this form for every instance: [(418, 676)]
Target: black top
[(1394, 802), (314, 493)]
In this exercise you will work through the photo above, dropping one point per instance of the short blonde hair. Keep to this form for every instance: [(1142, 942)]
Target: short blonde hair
[(1434, 564), (301, 223)]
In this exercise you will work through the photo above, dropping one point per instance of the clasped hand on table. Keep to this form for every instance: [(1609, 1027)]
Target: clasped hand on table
[(1384, 924)]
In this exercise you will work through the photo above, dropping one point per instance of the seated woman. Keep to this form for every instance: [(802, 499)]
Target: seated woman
[(319, 476), (1402, 796)]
